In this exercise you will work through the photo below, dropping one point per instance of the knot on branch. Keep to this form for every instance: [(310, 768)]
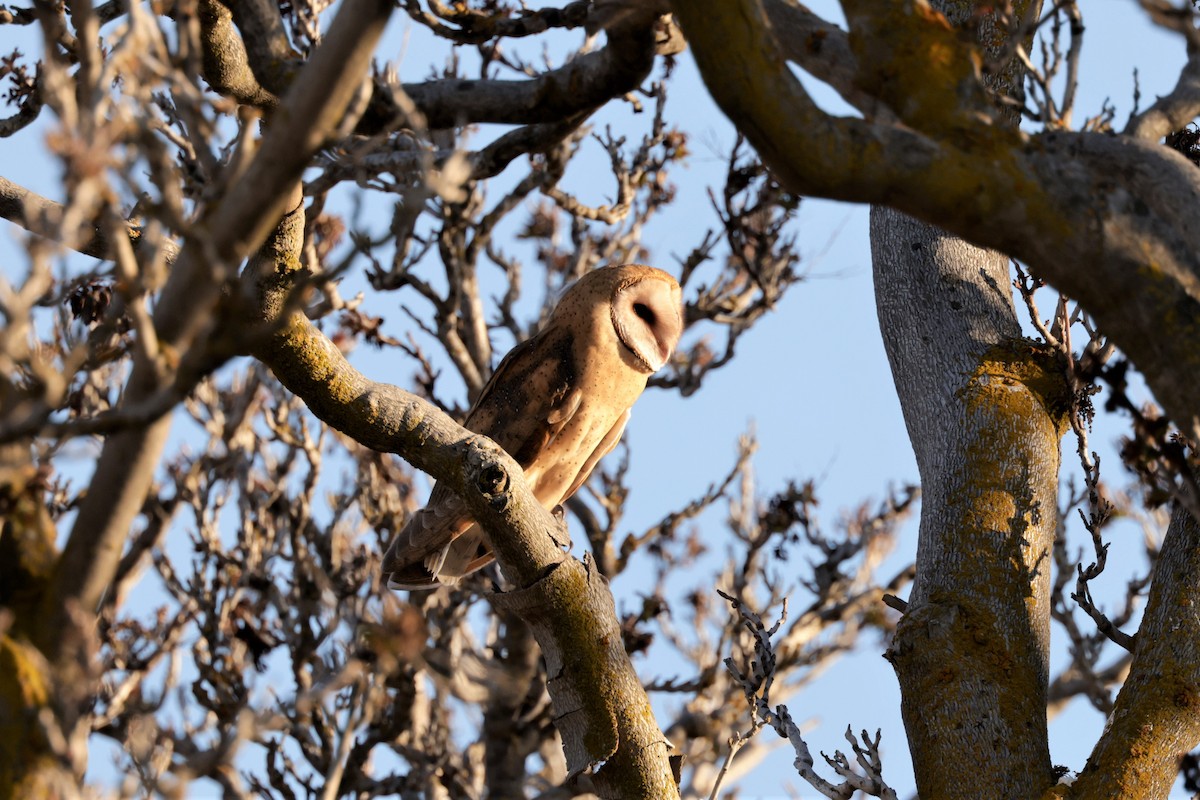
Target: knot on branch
[(488, 471), (493, 481)]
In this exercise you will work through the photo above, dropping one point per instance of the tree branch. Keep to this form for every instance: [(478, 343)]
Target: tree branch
[(603, 713), (268, 52), (479, 26), (230, 228), (1101, 218), (1174, 110), (583, 84), (30, 210), (226, 62), (822, 50)]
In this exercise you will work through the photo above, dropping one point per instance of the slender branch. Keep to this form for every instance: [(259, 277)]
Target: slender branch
[(28, 109), (756, 682), (30, 210)]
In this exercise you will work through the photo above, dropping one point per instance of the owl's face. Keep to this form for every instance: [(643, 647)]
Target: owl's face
[(646, 316), (634, 308)]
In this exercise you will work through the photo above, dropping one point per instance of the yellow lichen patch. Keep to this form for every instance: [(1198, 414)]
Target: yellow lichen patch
[(912, 59), (1024, 363), (943, 631), (22, 677), (23, 691), (304, 360)]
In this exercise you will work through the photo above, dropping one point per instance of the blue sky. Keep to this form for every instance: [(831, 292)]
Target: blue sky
[(811, 378)]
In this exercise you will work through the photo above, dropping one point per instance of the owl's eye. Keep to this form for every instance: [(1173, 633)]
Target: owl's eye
[(644, 312)]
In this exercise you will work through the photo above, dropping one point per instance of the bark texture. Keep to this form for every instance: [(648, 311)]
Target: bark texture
[(985, 410), (984, 413)]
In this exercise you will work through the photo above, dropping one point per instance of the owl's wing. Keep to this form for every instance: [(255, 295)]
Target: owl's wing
[(426, 533), (531, 396), (604, 448)]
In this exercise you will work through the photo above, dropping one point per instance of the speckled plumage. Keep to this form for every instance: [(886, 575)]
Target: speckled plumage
[(557, 404)]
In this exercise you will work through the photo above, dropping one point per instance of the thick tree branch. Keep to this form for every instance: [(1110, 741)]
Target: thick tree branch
[(822, 50), (226, 62), (1101, 218), (583, 84), (1155, 720), (268, 51), (479, 26), (230, 229), (247, 57), (256, 66)]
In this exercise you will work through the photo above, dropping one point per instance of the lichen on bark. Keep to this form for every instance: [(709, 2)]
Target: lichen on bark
[(1027, 363)]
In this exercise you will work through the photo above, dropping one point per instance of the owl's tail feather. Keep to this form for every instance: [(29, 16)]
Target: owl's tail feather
[(447, 566)]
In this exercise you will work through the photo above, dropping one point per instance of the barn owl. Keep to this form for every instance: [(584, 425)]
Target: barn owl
[(557, 404)]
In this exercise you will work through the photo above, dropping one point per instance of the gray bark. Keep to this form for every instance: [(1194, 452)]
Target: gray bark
[(971, 652)]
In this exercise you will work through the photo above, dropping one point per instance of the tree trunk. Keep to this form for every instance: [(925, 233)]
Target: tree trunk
[(28, 766), (984, 410)]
